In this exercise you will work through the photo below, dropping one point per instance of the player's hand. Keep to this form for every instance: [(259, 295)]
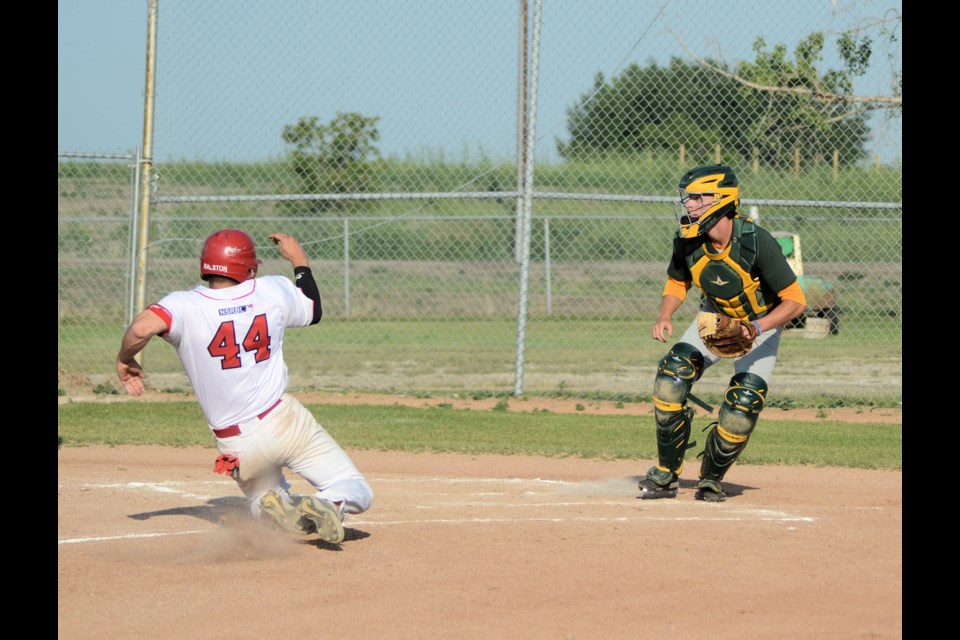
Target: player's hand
[(131, 375), (661, 330), (290, 249)]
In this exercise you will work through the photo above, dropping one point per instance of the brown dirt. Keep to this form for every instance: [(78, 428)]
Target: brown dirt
[(153, 544), (877, 415)]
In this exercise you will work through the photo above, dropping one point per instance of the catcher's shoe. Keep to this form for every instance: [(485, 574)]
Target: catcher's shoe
[(659, 484), (321, 517), (710, 491), (283, 511)]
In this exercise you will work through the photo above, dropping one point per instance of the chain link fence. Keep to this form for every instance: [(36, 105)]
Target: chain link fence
[(407, 145), (96, 223)]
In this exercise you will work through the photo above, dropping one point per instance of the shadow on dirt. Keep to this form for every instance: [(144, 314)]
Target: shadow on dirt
[(216, 510)]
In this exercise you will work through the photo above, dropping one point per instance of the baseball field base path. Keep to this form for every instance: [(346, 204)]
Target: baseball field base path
[(152, 544)]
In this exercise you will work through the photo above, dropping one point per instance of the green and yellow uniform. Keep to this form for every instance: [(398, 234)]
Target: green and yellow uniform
[(744, 280)]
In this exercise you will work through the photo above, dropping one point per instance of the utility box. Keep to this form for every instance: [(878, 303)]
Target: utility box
[(822, 307)]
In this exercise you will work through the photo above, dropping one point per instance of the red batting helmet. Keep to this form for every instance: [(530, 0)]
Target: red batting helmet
[(229, 253)]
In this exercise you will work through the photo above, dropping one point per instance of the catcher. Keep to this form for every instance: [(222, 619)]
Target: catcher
[(749, 293)]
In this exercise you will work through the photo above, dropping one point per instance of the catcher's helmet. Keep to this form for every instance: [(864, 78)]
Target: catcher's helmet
[(229, 253), (718, 180)]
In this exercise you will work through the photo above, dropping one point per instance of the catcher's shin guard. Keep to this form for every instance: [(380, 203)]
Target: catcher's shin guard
[(676, 373), (742, 404)]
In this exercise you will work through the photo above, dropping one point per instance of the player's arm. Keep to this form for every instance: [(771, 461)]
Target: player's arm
[(308, 285), (674, 292), (792, 305), (291, 250), (776, 272), (145, 326)]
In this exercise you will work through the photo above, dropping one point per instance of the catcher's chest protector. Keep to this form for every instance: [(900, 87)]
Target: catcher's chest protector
[(725, 278)]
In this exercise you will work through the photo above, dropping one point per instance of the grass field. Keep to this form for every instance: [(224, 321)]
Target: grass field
[(861, 365), (437, 429), (422, 294)]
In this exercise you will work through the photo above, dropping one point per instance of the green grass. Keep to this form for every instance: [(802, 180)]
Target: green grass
[(431, 290), (589, 359), (443, 429), (656, 173)]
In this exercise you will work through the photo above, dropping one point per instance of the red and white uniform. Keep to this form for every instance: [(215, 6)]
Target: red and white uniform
[(230, 342)]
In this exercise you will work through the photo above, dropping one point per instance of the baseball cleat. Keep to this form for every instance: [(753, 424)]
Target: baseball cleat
[(659, 484), (321, 517), (283, 513), (710, 491)]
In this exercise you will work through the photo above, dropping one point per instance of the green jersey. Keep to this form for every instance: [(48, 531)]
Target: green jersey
[(743, 279)]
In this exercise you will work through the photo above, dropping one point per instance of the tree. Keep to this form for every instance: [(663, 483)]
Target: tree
[(657, 108), (801, 109), (812, 118), (335, 158), (773, 106)]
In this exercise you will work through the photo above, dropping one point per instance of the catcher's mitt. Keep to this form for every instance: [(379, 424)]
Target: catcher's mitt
[(723, 335)]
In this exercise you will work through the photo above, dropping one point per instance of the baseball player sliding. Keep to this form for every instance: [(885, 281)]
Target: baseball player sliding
[(229, 337)]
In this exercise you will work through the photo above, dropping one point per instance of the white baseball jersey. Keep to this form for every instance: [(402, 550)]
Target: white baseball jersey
[(230, 342)]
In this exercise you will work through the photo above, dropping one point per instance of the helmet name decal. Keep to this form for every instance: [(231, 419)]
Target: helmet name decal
[(229, 253)]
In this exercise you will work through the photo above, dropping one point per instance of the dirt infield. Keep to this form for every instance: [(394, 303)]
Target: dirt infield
[(876, 415), (153, 544)]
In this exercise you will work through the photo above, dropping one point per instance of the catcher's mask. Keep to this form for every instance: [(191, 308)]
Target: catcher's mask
[(717, 180), (229, 253)]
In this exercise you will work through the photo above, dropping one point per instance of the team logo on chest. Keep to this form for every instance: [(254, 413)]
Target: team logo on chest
[(720, 281)]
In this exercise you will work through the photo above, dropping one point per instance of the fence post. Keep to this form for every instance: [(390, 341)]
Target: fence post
[(346, 267), (527, 202), (522, 74), (134, 234), (546, 261), (146, 160)]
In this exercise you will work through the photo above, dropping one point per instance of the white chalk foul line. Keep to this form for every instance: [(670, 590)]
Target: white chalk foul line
[(132, 536), (644, 518), (478, 481), (741, 516), (165, 487), (724, 514)]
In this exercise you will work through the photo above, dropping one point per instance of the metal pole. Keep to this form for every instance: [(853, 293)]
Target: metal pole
[(132, 247), (521, 128), (346, 267), (147, 160), (527, 197), (546, 262)]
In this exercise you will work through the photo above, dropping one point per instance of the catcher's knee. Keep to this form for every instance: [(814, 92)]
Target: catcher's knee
[(742, 403), (676, 373)]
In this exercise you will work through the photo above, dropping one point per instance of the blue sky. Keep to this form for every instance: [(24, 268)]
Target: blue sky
[(440, 75)]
